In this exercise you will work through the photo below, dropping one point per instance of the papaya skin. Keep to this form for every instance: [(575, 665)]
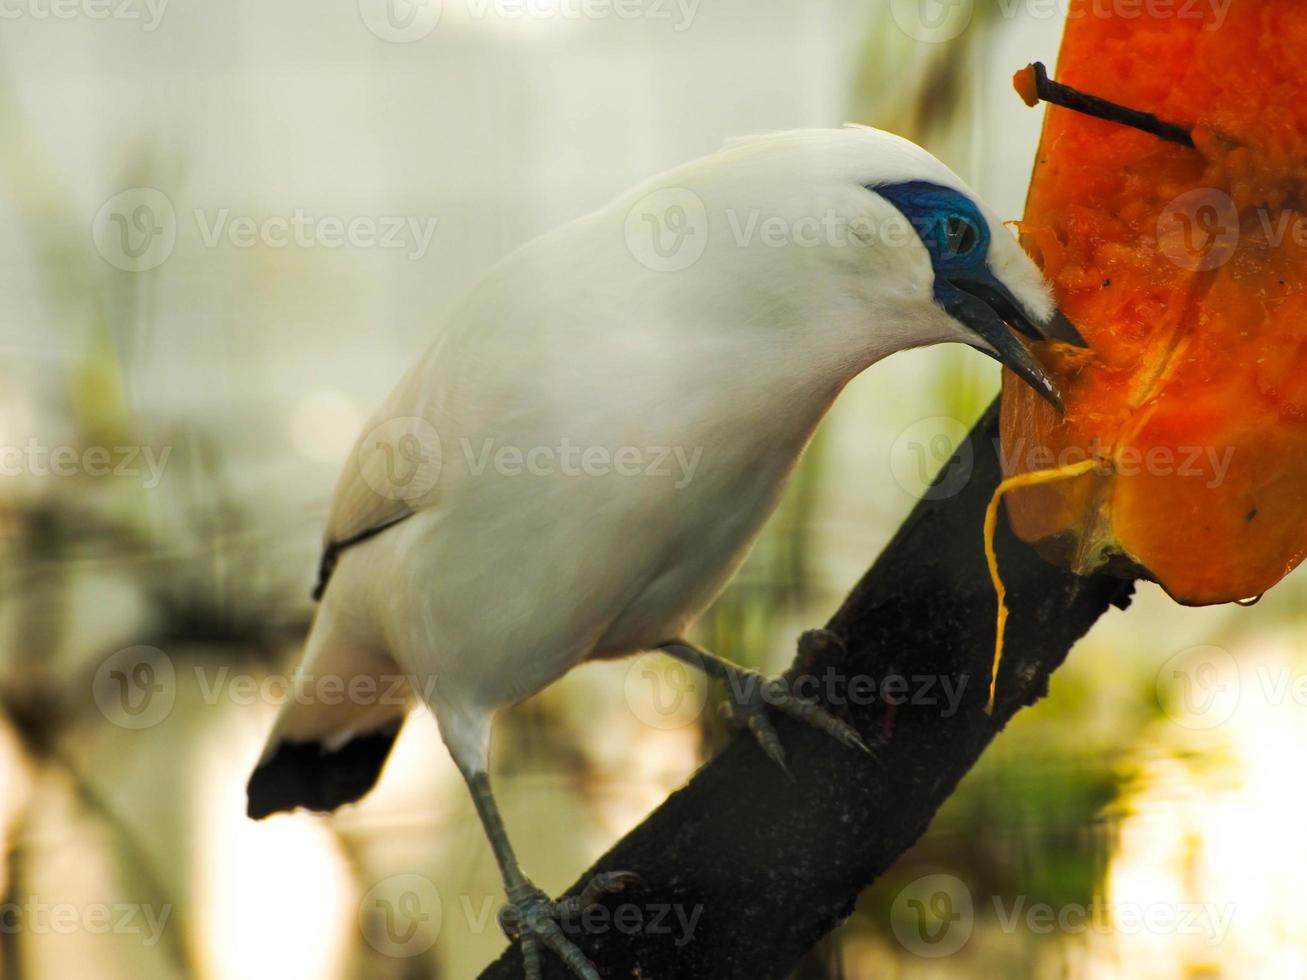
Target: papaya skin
[(1186, 272)]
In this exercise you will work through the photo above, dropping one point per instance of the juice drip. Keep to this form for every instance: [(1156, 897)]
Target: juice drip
[(1031, 479)]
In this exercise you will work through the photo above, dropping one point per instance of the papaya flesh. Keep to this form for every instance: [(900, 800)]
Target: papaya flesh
[(1185, 269)]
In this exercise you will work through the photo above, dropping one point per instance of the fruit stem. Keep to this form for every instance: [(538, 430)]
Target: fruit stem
[(1091, 105)]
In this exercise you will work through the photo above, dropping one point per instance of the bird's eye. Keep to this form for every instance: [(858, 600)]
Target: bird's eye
[(962, 236)]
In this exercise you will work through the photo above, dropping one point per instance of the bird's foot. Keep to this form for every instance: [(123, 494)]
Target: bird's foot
[(750, 694), (536, 921)]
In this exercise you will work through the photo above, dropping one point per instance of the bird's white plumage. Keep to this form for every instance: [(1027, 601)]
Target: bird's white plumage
[(503, 578)]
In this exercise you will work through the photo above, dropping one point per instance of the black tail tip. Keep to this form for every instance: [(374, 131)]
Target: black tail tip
[(309, 775)]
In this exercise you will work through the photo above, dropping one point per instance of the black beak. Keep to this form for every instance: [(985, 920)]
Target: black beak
[(989, 309)]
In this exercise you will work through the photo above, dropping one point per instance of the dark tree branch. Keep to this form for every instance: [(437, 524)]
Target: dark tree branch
[(772, 865)]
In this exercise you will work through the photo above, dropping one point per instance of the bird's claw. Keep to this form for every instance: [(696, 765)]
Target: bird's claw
[(532, 919), (751, 694), (604, 883)]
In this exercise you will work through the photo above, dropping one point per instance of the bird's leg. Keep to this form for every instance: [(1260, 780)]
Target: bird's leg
[(751, 694), (531, 917)]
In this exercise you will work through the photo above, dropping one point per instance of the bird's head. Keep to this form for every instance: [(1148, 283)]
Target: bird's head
[(980, 277), (898, 252)]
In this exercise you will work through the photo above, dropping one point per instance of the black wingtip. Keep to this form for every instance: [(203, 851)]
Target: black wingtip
[(307, 774)]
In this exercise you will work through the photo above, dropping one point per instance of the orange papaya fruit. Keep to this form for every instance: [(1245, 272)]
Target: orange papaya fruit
[(1185, 269)]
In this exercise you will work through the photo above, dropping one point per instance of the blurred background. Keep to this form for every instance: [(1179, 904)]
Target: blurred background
[(179, 386)]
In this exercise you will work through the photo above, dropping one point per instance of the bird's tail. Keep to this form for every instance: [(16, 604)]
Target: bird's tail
[(311, 775), (335, 731)]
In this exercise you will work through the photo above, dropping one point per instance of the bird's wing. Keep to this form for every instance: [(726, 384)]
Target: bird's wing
[(391, 473)]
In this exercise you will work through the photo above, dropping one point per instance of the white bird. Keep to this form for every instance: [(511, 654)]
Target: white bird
[(501, 520)]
